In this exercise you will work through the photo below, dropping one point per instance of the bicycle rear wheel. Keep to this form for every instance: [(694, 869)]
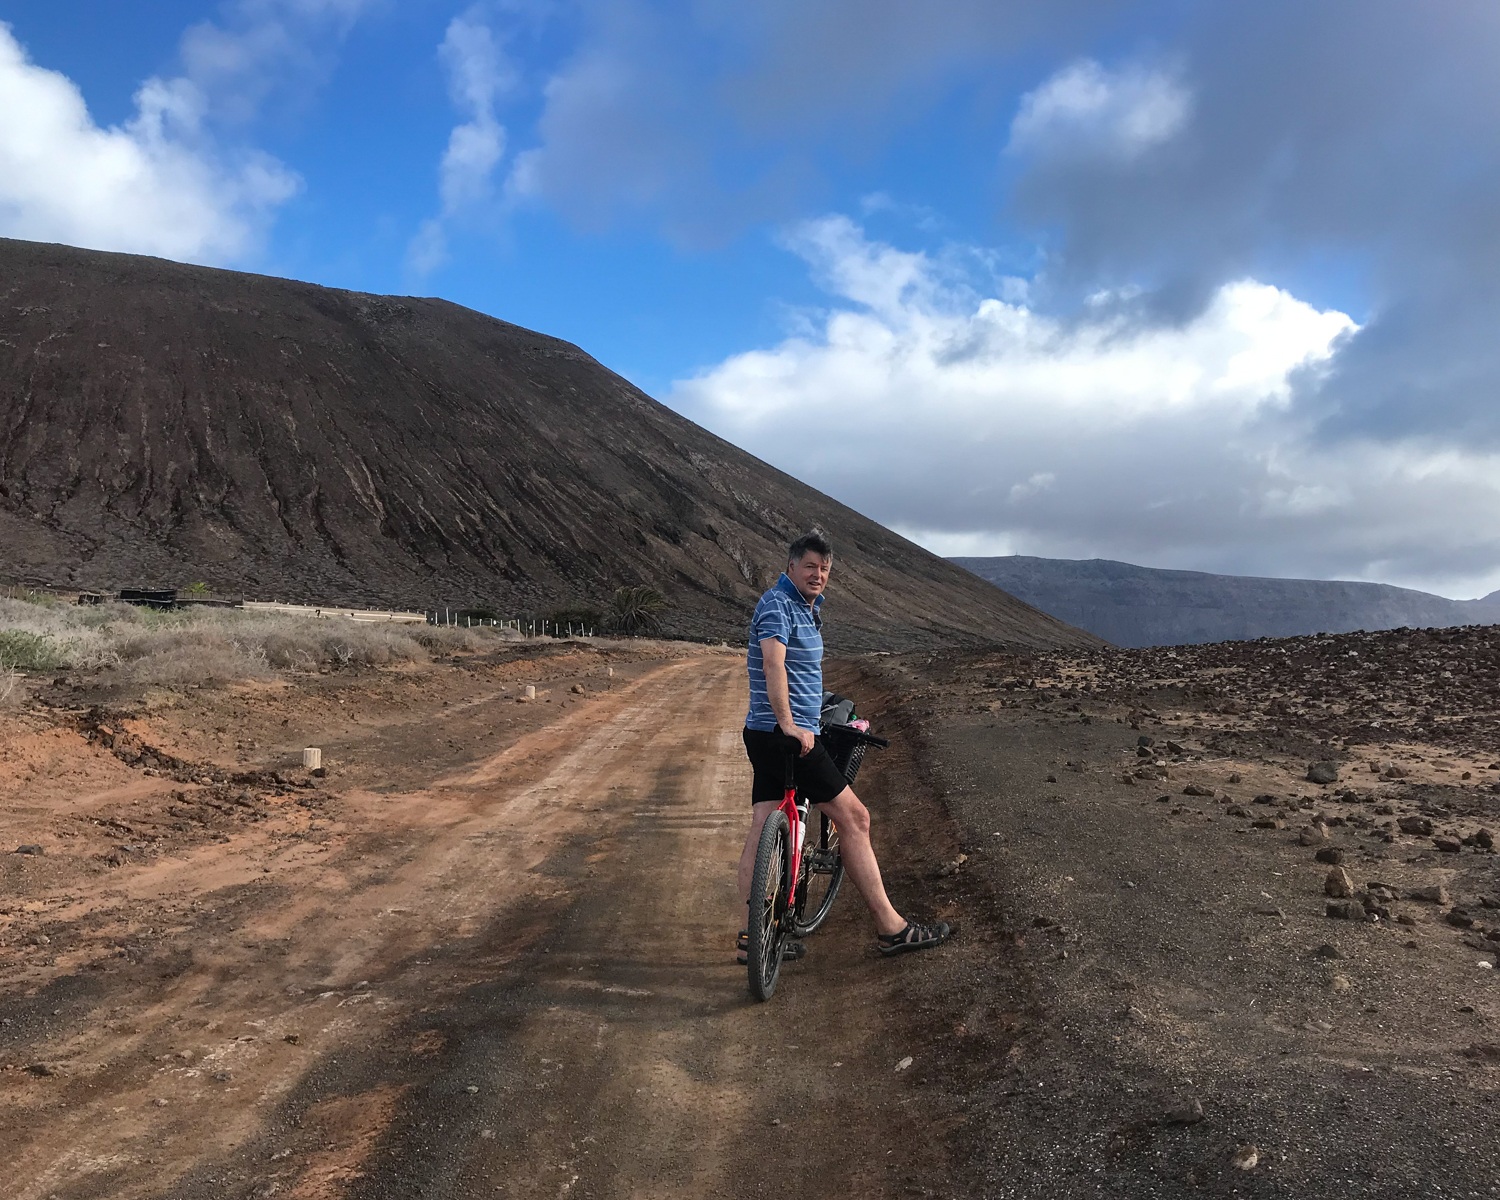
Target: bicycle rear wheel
[(822, 875), (770, 919)]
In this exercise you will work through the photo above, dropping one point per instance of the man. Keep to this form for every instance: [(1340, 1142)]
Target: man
[(786, 697)]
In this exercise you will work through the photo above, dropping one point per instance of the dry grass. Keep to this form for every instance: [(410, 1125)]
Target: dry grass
[(207, 646)]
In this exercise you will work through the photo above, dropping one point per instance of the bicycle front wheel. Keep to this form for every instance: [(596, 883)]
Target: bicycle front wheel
[(770, 917), (823, 873)]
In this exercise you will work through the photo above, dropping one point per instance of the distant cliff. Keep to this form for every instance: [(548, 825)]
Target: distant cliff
[(1141, 606)]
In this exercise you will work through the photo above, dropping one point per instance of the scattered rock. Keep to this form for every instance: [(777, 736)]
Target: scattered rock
[(1436, 894), (1447, 843), (1420, 826), (1331, 855), (904, 1064), (1459, 919), (1338, 884), (1327, 951), (472, 1089), (1323, 771), (1197, 789), (1237, 810), (1345, 910), (578, 689), (1339, 983), (1244, 1158), (1312, 835), (44, 1070), (1484, 839), (1265, 823), (1189, 1112), (30, 848)]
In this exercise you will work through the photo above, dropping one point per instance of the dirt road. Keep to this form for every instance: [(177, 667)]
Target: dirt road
[(511, 980)]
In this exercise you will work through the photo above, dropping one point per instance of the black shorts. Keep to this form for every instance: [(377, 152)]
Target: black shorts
[(778, 765)]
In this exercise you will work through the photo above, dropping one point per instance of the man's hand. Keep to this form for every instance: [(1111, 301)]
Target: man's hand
[(803, 736)]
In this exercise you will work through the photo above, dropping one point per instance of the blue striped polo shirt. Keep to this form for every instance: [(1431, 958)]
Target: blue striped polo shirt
[(784, 615)]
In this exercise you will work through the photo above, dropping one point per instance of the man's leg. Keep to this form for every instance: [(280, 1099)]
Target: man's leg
[(758, 815), (853, 820)]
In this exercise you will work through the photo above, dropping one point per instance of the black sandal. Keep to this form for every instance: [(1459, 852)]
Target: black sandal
[(791, 952), (914, 937)]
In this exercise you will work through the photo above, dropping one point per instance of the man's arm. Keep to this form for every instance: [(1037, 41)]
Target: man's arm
[(778, 691)]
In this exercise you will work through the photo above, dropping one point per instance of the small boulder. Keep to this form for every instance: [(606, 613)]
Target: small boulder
[(1331, 855), (1313, 835), (1418, 826), (1197, 789), (1338, 884), (1323, 771), (1345, 910), (1436, 894), (29, 848), (1447, 843)]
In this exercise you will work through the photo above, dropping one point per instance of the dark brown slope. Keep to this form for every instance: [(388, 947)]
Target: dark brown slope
[(162, 423)]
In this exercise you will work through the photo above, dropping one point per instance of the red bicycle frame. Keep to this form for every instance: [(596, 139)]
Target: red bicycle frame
[(788, 805)]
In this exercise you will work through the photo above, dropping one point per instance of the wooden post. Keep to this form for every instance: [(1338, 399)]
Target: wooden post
[(312, 758)]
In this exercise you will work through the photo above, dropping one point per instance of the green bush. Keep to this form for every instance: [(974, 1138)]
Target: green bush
[(23, 651), (636, 609)]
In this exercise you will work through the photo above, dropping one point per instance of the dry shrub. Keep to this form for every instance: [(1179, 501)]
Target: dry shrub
[(455, 639), (182, 656), (210, 645), (12, 688)]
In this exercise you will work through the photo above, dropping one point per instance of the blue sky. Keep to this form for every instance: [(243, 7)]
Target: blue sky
[(1187, 284)]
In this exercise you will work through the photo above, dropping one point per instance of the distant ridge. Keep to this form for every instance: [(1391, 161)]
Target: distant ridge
[(162, 424), (1143, 606)]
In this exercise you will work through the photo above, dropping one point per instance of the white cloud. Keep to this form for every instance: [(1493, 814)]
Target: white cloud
[(155, 185), (1085, 109), (478, 74), (969, 421)]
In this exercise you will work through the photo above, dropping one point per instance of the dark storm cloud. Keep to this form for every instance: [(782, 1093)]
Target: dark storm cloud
[(1357, 132)]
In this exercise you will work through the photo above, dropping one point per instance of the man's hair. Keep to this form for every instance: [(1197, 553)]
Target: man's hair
[(809, 543)]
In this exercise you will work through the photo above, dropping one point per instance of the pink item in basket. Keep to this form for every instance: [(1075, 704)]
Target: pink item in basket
[(862, 725)]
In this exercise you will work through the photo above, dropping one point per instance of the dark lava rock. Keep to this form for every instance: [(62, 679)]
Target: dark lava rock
[(1327, 951), (1448, 844), (1197, 789), (1420, 826), (1436, 894), (1331, 855), (30, 848), (1458, 918), (1345, 910), (1323, 772)]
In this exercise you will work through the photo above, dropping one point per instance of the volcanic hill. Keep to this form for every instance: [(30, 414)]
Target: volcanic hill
[(162, 424)]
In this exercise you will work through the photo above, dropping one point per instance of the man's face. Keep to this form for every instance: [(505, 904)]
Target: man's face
[(810, 574)]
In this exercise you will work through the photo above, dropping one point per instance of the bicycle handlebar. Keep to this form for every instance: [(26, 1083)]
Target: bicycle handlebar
[(859, 736)]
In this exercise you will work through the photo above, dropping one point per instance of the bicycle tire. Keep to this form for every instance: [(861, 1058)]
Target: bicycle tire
[(822, 876), (769, 923)]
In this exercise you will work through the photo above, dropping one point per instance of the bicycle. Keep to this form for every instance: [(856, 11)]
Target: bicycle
[(794, 884)]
